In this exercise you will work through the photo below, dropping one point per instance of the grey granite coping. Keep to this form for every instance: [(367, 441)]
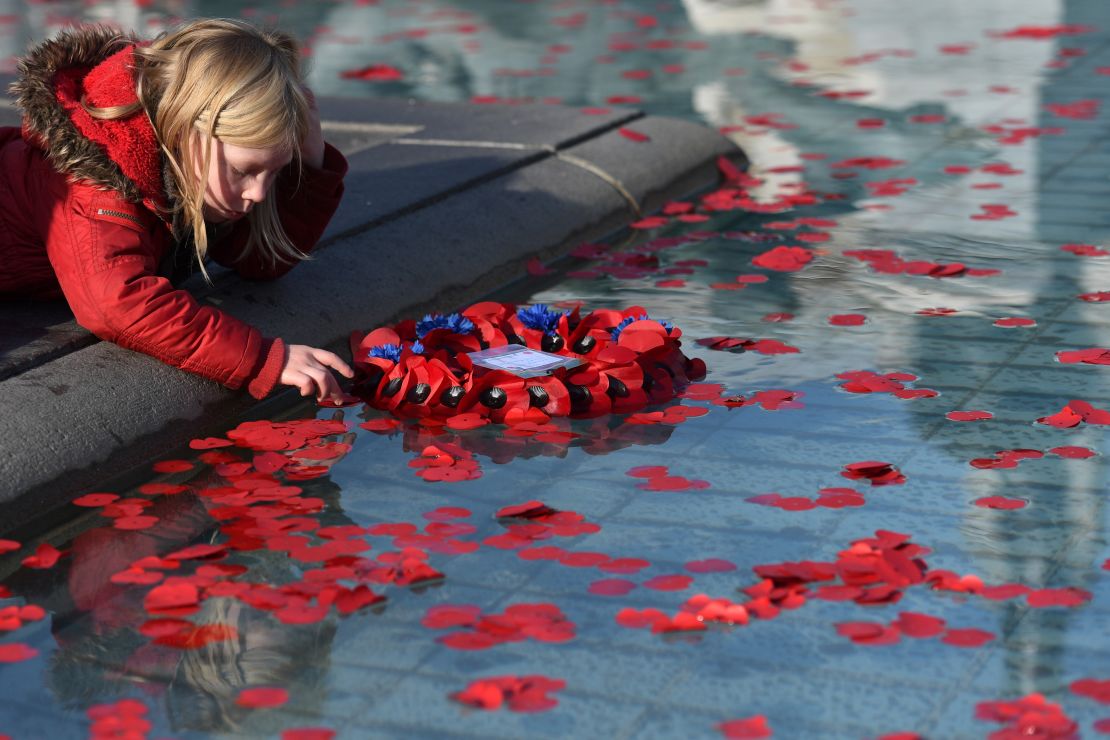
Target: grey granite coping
[(444, 203)]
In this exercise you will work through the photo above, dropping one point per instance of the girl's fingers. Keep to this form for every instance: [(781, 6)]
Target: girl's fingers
[(309, 369), (334, 361), (330, 388), (320, 378)]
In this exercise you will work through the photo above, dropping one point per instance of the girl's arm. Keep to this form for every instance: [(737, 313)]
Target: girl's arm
[(106, 266)]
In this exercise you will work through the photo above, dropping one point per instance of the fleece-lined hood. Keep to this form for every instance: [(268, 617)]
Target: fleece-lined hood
[(94, 64)]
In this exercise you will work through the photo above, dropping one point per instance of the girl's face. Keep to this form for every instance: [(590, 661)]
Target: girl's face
[(238, 177)]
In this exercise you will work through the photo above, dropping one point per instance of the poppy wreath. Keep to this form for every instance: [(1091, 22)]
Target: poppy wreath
[(420, 369)]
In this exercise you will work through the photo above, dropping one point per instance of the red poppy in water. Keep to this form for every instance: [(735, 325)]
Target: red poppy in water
[(1092, 688), (46, 556), (1030, 716), (879, 473), (517, 693), (16, 652), (784, 259), (262, 697), (374, 73), (746, 728)]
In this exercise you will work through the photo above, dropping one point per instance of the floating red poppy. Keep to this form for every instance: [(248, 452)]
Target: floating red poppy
[(1073, 452), (517, 693), (1082, 110), (172, 466), (132, 523), (193, 637), (746, 728), (1000, 502), (710, 565), (668, 583), (209, 443), (1030, 716), (879, 473), (46, 556), (762, 346), (977, 415), (967, 637), (611, 587), (867, 381), (1068, 596), (784, 259), (307, 733), (1094, 356), (919, 626), (124, 718), (1092, 688), (1074, 413), (1006, 458), (374, 73), (95, 500), (262, 697), (1085, 250), (542, 622), (1015, 321), (1096, 297)]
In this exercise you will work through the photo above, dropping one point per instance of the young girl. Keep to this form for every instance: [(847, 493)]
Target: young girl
[(204, 140)]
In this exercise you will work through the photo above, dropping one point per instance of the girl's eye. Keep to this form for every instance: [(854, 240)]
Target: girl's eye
[(238, 173)]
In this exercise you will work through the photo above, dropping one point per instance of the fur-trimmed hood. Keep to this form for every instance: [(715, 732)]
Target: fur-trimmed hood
[(94, 65)]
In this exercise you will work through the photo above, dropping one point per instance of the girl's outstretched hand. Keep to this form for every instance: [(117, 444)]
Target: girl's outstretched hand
[(307, 368)]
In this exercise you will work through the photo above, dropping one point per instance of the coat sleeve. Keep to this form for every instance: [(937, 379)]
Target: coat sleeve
[(106, 261), (305, 207)]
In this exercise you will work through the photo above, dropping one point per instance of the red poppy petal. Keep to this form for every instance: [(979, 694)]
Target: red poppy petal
[(611, 587), (746, 728), (967, 637), (16, 652), (969, 415), (668, 583), (94, 500), (262, 697)]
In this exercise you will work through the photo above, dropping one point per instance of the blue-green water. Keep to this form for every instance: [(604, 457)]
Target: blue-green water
[(937, 86)]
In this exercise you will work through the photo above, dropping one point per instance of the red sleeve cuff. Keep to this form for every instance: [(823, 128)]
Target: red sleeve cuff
[(271, 361)]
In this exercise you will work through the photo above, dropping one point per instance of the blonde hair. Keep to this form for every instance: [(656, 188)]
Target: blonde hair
[(230, 81)]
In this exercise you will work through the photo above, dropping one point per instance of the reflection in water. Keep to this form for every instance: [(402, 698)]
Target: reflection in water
[(103, 624)]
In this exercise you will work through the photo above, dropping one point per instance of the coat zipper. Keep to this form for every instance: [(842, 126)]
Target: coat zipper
[(119, 214)]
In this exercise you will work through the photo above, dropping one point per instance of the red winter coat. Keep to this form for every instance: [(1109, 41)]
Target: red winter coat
[(79, 202)]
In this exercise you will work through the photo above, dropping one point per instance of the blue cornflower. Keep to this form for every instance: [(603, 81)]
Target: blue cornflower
[(390, 352), (457, 323), (616, 332), (540, 317)]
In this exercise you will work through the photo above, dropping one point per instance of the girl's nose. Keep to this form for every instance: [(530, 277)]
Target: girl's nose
[(258, 188), (255, 192)]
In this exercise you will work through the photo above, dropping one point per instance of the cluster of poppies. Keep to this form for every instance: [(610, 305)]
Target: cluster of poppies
[(423, 369)]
